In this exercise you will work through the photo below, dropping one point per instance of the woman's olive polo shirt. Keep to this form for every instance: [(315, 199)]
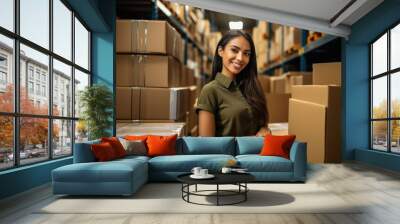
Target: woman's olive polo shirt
[(233, 115)]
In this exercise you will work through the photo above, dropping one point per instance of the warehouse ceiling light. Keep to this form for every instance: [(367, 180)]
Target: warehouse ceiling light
[(235, 25)]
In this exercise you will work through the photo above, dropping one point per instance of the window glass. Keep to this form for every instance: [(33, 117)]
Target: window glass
[(39, 61), (62, 29), (34, 145), (379, 56), (395, 95), (34, 21), (62, 91), (395, 136), (379, 97), (62, 138), (6, 142), (81, 45), (379, 135), (6, 74), (81, 82), (7, 14)]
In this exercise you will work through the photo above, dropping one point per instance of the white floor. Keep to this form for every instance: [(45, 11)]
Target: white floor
[(378, 189)]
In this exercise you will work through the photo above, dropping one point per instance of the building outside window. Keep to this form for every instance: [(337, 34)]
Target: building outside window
[(3, 72), (30, 87), (3, 78), (30, 72), (43, 90)]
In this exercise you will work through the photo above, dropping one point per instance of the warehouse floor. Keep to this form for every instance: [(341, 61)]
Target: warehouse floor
[(377, 189)]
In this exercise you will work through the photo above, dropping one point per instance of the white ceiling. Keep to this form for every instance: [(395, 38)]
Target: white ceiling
[(315, 15), (322, 9)]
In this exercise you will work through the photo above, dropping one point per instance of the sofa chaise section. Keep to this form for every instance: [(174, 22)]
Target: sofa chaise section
[(87, 177)]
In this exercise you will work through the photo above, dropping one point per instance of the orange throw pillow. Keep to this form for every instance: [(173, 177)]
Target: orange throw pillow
[(103, 151), (116, 145), (161, 145), (136, 137), (277, 145)]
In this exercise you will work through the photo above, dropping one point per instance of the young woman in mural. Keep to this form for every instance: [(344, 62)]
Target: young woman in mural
[(233, 103)]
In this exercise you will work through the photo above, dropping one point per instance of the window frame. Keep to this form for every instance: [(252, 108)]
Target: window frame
[(388, 74), (16, 114)]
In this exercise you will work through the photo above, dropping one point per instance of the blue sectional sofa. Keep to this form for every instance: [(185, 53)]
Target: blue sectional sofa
[(125, 176)]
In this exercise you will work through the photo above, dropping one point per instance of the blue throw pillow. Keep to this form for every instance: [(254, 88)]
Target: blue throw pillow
[(249, 145), (208, 145)]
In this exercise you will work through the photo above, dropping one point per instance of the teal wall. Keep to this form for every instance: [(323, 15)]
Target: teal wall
[(103, 51), (24, 178), (356, 85), (100, 16)]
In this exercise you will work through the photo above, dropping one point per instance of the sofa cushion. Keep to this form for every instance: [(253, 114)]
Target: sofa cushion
[(249, 145), (136, 137), (112, 171), (103, 152), (132, 158), (185, 163), (134, 147), (207, 145), (116, 145), (257, 163), (83, 152), (277, 145), (161, 145)]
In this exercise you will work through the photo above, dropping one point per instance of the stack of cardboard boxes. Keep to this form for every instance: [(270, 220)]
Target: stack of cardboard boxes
[(276, 44), (213, 39), (278, 90), (291, 39), (260, 38), (153, 84), (315, 114)]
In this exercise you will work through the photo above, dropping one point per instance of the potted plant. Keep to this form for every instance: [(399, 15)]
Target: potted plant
[(96, 103)]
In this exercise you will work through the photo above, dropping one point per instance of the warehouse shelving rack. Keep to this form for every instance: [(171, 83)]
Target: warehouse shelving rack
[(322, 50)]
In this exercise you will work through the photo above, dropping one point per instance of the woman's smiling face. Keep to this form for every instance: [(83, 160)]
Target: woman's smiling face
[(235, 56)]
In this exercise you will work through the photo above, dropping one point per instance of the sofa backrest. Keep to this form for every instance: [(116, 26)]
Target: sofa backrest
[(249, 145), (190, 146), (83, 152), (206, 145)]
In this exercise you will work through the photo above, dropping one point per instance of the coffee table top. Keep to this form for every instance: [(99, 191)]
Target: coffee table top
[(220, 178)]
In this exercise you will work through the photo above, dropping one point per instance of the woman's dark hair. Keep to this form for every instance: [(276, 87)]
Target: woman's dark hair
[(247, 78)]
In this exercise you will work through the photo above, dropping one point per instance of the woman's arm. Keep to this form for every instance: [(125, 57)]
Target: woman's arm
[(263, 131), (206, 123)]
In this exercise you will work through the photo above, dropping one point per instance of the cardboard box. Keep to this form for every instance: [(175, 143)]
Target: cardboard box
[(261, 59), (191, 77), (136, 103), (130, 70), (322, 130), (124, 36), (297, 78), (278, 107), (162, 103), (161, 71), (184, 77), (192, 113), (149, 36), (292, 38), (327, 73), (278, 84), (123, 103), (265, 83), (147, 70)]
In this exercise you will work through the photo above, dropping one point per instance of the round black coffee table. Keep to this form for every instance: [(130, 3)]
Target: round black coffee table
[(238, 179)]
